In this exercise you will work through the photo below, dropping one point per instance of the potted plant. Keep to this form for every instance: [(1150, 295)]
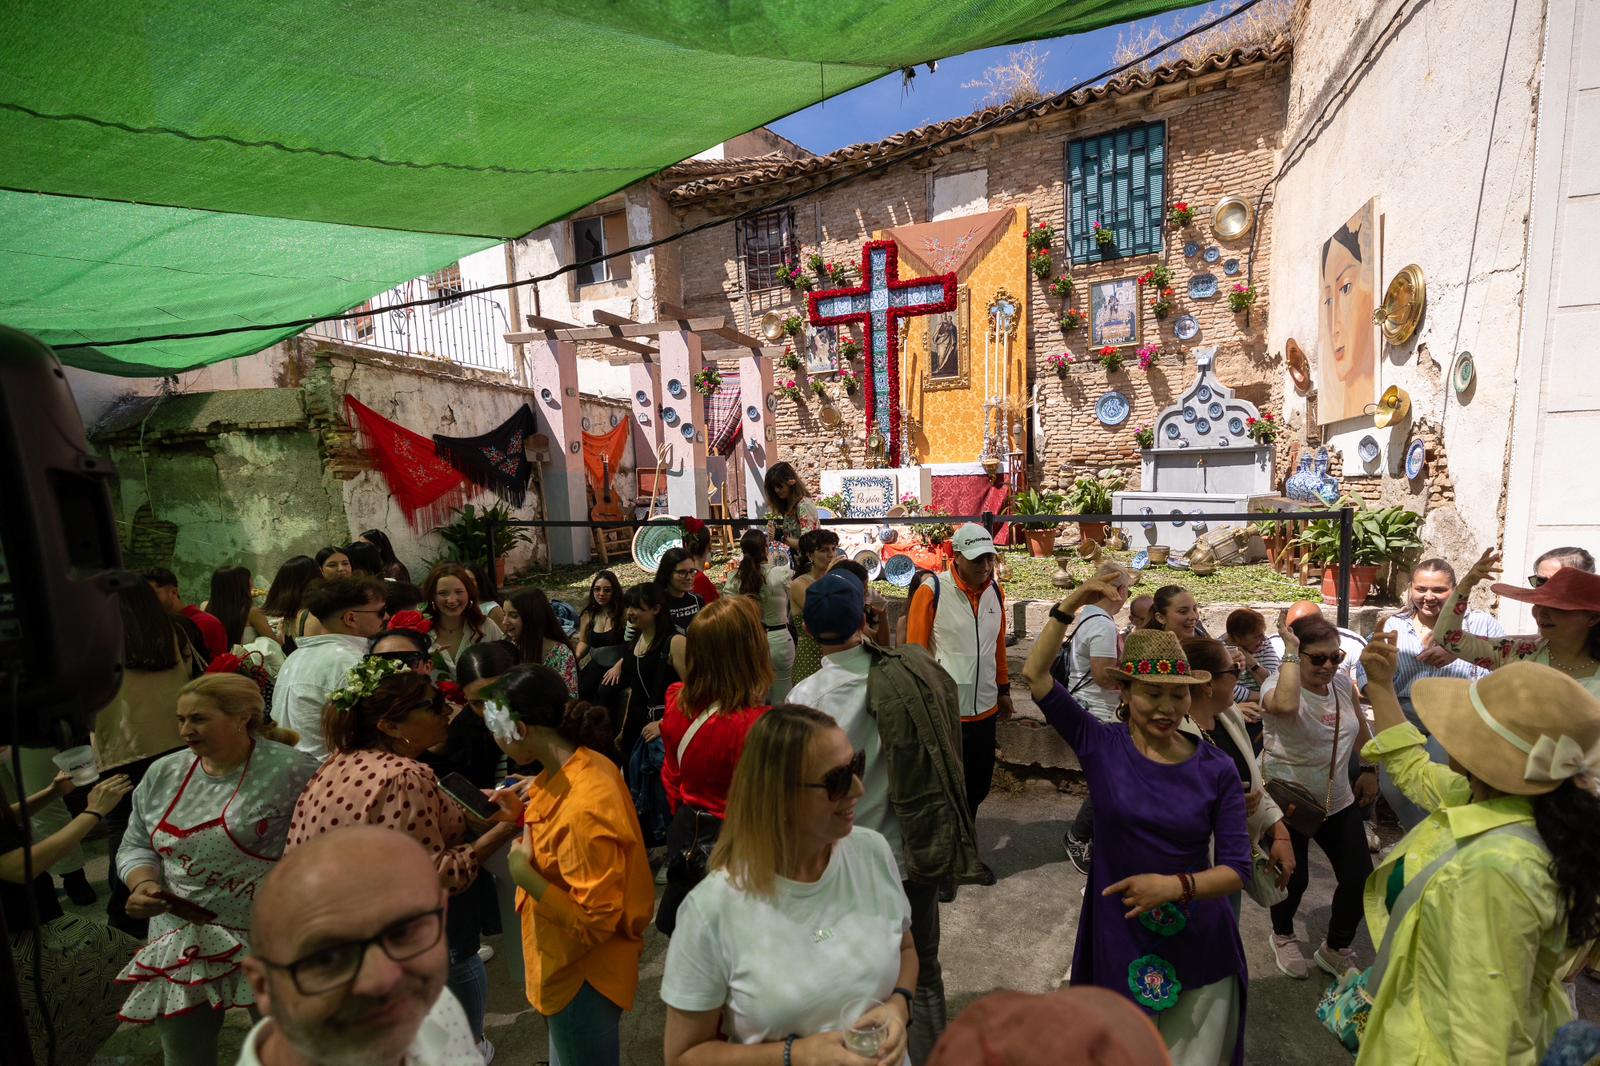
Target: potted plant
[(836, 273), (1103, 236), (1157, 277), (1242, 298), (1041, 264), (1377, 536), (793, 325), (792, 276), (1263, 430), (1163, 303), (817, 264), (937, 535), (849, 380), (1145, 435), (1181, 215), (1147, 355), (708, 381), (466, 538), (1060, 363), (1091, 494), (849, 348), (1072, 319), (1110, 358), (1062, 286), (1041, 237), (789, 360), (789, 388), (819, 387), (1041, 538)]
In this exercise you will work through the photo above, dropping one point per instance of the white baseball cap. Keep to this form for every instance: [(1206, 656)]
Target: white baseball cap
[(972, 541)]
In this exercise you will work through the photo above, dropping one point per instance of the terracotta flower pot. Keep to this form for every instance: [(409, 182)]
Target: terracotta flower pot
[(1159, 554), (1095, 531), (1041, 542), (1361, 578)]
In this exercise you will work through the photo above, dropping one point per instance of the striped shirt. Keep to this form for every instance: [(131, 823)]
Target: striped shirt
[(1410, 667)]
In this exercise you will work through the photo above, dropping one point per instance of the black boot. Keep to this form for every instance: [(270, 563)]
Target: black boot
[(79, 890)]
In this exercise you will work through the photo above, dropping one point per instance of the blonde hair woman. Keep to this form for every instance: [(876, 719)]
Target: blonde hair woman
[(806, 908), (208, 822)]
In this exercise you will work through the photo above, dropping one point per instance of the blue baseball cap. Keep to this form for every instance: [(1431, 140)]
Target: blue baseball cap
[(835, 607)]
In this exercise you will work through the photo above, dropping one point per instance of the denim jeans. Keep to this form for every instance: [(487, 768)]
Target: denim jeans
[(467, 980), (587, 1031)]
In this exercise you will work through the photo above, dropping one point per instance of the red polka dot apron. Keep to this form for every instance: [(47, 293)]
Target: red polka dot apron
[(187, 966)]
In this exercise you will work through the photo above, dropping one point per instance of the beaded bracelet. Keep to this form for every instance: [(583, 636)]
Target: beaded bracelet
[(1187, 881), (788, 1050)]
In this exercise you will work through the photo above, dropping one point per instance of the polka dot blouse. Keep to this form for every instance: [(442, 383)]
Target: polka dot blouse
[(381, 788)]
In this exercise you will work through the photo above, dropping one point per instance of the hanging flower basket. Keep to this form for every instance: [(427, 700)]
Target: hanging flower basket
[(1157, 277), (1041, 237), (1263, 430), (1041, 265), (819, 387), (1061, 363), (1062, 287), (849, 380), (1072, 319), (816, 263), (837, 273), (848, 348), (1242, 298), (1104, 237), (1111, 358), (1147, 356), (791, 275), (790, 388), (707, 381), (1163, 303), (1181, 215), (1145, 436), (793, 325), (789, 360)]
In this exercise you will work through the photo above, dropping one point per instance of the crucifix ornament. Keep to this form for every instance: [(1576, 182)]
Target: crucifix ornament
[(878, 304)]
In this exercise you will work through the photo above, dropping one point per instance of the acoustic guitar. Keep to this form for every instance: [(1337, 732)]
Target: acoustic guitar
[(607, 508)]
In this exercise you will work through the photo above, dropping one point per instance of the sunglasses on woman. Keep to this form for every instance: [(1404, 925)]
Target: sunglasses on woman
[(1334, 657), (837, 782), (1534, 580)]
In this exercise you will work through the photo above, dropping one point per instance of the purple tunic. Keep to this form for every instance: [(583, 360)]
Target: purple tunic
[(1152, 818)]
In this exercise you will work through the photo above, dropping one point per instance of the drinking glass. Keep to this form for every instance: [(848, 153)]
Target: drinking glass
[(862, 1035)]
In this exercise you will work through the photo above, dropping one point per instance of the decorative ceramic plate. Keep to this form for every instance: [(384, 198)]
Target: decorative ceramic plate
[(1328, 491), (670, 417), (675, 387), (1178, 564), (584, 422), (1202, 426), (1186, 328), (641, 398), (1112, 409), (1232, 218), (1415, 455), (1368, 449), (870, 560), (1190, 414), (899, 570), (1202, 286), (1231, 268), (1236, 425), (1173, 432), (772, 401), (688, 431), (547, 396), (888, 534), (1140, 560), (1191, 250), (753, 413), (1213, 254), (824, 513), (615, 418), (1177, 517), (652, 541), (1215, 410), (1461, 373)]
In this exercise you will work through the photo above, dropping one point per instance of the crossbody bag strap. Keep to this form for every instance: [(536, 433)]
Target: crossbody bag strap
[(694, 727), (1412, 892), (1333, 756)]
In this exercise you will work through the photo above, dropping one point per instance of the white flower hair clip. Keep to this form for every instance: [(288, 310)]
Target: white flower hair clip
[(497, 716)]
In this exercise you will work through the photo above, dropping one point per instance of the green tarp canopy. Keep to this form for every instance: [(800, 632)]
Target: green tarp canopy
[(185, 166)]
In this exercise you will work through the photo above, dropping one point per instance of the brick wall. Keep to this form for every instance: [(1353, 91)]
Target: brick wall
[(1221, 140)]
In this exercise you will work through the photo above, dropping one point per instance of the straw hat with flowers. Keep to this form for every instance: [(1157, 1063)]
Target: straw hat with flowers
[(1154, 656)]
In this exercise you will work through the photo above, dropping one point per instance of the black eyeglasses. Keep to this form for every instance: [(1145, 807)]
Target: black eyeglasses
[(837, 782), (337, 966), (1535, 580), (409, 659), (1234, 670), (1334, 657)]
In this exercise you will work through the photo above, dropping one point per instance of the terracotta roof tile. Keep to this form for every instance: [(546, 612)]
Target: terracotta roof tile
[(759, 170)]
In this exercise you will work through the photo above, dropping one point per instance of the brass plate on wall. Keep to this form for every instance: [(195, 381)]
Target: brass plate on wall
[(1299, 369), (1232, 218), (1403, 304)]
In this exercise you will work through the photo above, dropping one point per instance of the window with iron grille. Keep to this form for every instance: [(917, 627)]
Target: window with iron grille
[(446, 282), (1118, 179), (765, 241)]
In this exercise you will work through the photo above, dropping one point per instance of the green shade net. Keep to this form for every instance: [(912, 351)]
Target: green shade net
[(177, 167)]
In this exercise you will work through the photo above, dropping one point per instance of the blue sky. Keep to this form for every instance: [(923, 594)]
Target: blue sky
[(880, 109)]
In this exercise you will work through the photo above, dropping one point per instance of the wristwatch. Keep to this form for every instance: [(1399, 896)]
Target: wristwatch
[(1064, 617)]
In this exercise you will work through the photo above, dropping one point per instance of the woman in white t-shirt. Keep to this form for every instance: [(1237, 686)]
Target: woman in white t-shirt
[(768, 585), (801, 916), (1313, 724), (1091, 653)]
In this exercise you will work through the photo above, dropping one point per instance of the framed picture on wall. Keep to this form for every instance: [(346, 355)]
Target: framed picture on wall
[(1114, 313), (949, 358), (822, 350)]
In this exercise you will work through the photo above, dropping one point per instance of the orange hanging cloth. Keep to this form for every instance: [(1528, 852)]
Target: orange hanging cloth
[(602, 450)]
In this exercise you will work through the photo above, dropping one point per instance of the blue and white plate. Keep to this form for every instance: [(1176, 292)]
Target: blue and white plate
[(1190, 414), (870, 560), (676, 388), (688, 431), (1112, 409), (1215, 410), (642, 398), (1202, 426), (1328, 491), (1186, 327), (1213, 254), (1203, 286), (1140, 560), (1177, 517), (1173, 432), (899, 570), (1190, 250), (1368, 449), (1203, 392), (1236, 425), (670, 417), (1231, 268), (1414, 458), (653, 539), (547, 396), (824, 513), (753, 413), (888, 534)]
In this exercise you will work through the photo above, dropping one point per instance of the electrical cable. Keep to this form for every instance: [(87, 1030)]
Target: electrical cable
[(1003, 117)]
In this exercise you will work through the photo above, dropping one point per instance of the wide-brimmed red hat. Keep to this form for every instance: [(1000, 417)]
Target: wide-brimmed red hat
[(1569, 589)]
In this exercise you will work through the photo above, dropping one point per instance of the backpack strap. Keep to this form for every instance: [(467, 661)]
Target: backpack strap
[(694, 727), (1413, 892)]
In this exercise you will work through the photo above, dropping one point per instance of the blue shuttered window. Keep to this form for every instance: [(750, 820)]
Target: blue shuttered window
[(1118, 179)]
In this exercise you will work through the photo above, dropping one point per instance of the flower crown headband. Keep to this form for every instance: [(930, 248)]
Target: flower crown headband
[(362, 681)]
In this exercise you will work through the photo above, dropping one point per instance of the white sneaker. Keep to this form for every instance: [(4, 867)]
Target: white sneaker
[(1373, 843), (1334, 962), (486, 1049), (661, 874), (485, 952), (1286, 952)]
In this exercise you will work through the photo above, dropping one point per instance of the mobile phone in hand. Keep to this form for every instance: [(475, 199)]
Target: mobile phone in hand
[(187, 909), (469, 796)]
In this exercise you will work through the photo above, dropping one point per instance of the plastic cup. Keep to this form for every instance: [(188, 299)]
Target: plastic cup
[(78, 764)]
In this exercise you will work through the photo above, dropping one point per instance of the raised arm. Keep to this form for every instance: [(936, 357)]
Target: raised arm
[(1036, 671), (1450, 633), (1285, 695)]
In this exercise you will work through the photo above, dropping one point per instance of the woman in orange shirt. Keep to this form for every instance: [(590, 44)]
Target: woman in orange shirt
[(585, 891)]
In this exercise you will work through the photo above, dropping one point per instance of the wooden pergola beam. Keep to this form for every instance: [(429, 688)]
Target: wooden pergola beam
[(708, 324), (726, 332), (556, 328)]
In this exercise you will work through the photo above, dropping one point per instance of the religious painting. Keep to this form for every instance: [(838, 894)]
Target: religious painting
[(822, 350), (1114, 313), (949, 349), (1347, 293)]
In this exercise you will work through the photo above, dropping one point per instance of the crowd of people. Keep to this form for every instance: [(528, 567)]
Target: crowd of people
[(359, 763)]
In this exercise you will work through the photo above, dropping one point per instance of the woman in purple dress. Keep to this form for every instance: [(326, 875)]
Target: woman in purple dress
[(1156, 924)]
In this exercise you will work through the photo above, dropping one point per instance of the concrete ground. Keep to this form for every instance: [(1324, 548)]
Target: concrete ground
[(1017, 934)]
